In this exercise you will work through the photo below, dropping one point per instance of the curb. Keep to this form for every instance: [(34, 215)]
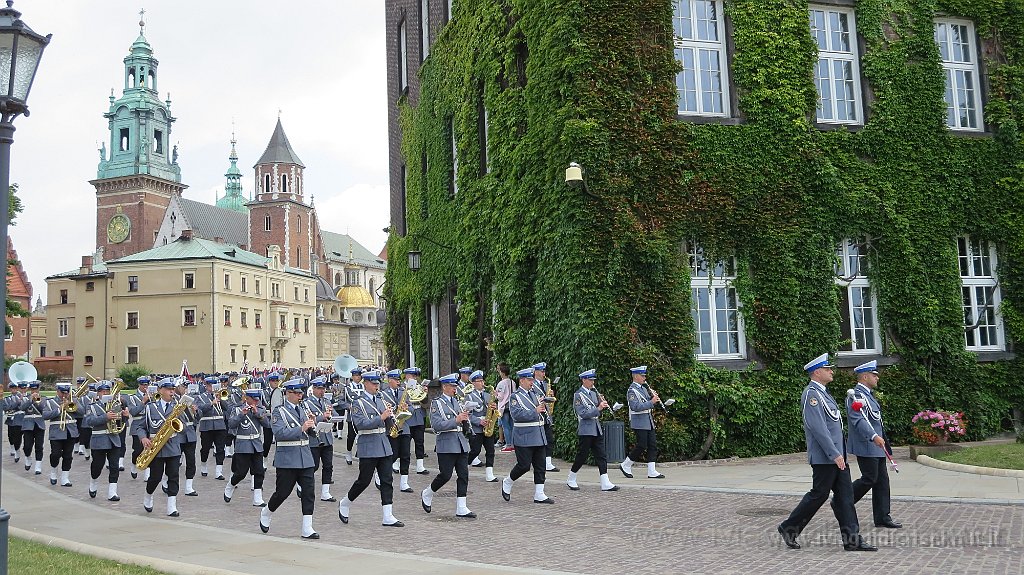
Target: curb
[(165, 565), (975, 469)]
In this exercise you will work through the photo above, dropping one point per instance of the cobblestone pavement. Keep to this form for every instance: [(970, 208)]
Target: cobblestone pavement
[(634, 530)]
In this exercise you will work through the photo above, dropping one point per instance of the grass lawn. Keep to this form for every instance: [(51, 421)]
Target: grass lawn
[(28, 558), (1005, 456)]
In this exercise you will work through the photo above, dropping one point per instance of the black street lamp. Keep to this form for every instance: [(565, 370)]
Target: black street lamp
[(20, 51)]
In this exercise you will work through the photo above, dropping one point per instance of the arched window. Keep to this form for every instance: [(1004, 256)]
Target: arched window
[(152, 79), (337, 279), (284, 183), (266, 183), (298, 224), (131, 77), (266, 222)]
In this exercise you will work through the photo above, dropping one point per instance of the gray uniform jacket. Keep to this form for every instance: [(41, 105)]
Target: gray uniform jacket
[(585, 402), (292, 450), (135, 408), (372, 439), (528, 425), (156, 416), (823, 425), (864, 425), (12, 406), (477, 416), (96, 416), (449, 432), (393, 396), (83, 408), (319, 408), (211, 415), (33, 418), (51, 413), (418, 413), (249, 429), (640, 407), (189, 418)]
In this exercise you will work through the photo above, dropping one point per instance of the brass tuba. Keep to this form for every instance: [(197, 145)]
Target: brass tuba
[(167, 430)]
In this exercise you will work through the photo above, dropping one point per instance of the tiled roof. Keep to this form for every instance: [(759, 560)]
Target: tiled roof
[(196, 248), (337, 247), (210, 222), (279, 150)]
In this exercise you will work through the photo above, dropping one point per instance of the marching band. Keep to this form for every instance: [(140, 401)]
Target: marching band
[(167, 421)]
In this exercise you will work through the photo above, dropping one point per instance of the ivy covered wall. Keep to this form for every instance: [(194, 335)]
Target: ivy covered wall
[(598, 278)]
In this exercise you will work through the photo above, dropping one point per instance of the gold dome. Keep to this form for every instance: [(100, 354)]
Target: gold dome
[(355, 296)]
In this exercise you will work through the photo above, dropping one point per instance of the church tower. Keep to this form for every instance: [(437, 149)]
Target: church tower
[(279, 215), (139, 173), (233, 198)]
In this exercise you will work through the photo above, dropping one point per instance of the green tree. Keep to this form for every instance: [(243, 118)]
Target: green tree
[(14, 308)]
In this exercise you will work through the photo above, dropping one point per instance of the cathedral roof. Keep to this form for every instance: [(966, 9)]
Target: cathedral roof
[(355, 296), (196, 248), (210, 222), (324, 290), (279, 150), (342, 248)]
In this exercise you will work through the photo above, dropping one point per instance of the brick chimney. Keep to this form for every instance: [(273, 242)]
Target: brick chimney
[(219, 240), (186, 234), (86, 265)]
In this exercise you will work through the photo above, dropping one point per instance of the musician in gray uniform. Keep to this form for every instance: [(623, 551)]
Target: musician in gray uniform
[(417, 423), (321, 445), (103, 444), (449, 420), (869, 443), (370, 417), (528, 408), (352, 391), (641, 421), (136, 404), (84, 430), (33, 427), (168, 459), (541, 385), (189, 438), (249, 422), (63, 433), (826, 452), (293, 461), (588, 406), (401, 446), (273, 397), (213, 429), (15, 415), (478, 419)]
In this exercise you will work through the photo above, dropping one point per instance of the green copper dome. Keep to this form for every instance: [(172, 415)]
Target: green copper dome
[(233, 198)]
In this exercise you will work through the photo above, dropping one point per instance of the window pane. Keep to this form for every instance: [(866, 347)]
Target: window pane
[(942, 38), (707, 21), (823, 79), (686, 80), (818, 29), (839, 25), (682, 25)]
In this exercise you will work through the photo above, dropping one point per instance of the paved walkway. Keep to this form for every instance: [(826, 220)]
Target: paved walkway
[(700, 519)]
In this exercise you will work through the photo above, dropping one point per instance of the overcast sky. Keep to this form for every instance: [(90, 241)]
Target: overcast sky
[(322, 63)]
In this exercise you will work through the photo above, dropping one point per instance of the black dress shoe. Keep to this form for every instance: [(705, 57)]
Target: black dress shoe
[(553, 470), (481, 464), (406, 490), (548, 500), (135, 475), (889, 523), (613, 488), (574, 488), (119, 468), (424, 472), (65, 485), (92, 495), (164, 489), (495, 480), (425, 506), (264, 528), (348, 462), (39, 473), (174, 514), (658, 476), (789, 538), (53, 482), (860, 546), (219, 478), (505, 496), (148, 509), (313, 535), (628, 475), (113, 498), (340, 516), (332, 498), (395, 471), (395, 524), (205, 474), (192, 494), (469, 515)]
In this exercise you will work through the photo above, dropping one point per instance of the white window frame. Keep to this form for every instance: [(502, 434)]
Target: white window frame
[(851, 277), (62, 327), (403, 57), (830, 54), (978, 259), (956, 73), (486, 145), (128, 354), (185, 277), (184, 322), (424, 30), (690, 40), (127, 317), (719, 278), (455, 161)]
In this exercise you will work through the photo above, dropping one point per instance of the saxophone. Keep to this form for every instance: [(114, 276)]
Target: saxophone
[(402, 414), (167, 430), (492, 413), (116, 426)]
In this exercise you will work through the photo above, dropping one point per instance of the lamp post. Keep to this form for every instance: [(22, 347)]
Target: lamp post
[(20, 52)]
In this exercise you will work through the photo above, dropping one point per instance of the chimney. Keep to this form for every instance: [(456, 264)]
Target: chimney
[(218, 240), (86, 265), (186, 234)]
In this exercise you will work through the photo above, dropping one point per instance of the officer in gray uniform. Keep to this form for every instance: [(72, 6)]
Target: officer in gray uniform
[(392, 394), (15, 415), (370, 418), (321, 445), (189, 438), (417, 423), (33, 427), (448, 418), (62, 441), (273, 397), (168, 460), (351, 391), (248, 421), (213, 429), (136, 404), (293, 428), (540, 385), (869, 443), (641, 420), (477, 419), (588, 406), (528, 408), (826, 452), (84, 430), (103, 444)]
